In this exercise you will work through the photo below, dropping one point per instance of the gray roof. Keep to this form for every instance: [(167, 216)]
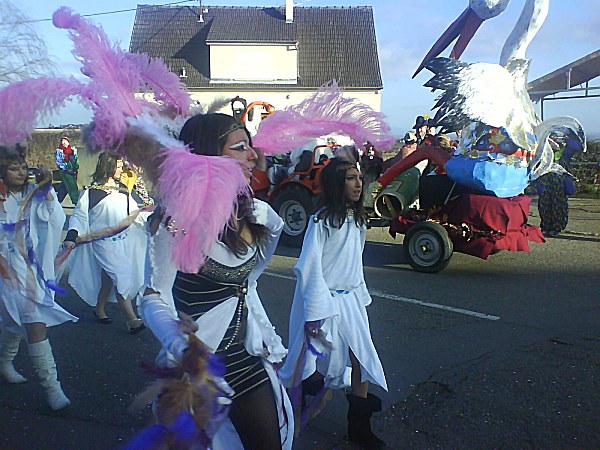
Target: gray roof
[(578, 72), (333, 42)]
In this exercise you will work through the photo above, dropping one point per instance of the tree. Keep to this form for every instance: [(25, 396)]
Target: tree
[(23, 53)]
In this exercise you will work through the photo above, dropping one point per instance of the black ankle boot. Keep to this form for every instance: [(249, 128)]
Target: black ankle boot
[(360, 411), (311, 386)]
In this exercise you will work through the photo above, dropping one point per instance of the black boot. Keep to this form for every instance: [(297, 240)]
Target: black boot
[(360, 411), (312, 386)]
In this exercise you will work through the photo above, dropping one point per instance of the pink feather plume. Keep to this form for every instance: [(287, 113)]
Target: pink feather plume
[(115, 77), (27, 101), (200, 194), (326, 111)]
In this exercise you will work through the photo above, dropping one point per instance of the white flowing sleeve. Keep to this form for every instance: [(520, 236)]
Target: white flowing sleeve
[(46, 227), (311, 287), (156, 307), (265, 215)]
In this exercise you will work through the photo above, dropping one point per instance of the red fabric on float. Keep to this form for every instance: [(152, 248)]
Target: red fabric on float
[(484, 213)]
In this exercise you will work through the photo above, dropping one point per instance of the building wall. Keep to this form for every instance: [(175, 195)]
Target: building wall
[(279, 100), (258, 63)]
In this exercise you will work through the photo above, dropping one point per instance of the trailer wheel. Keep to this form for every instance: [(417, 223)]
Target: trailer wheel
[(427, 247), (294, 205)]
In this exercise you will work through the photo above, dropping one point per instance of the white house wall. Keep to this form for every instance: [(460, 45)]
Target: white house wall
[(253, 63)]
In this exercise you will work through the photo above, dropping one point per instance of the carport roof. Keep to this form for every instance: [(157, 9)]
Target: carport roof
[(563, 79)]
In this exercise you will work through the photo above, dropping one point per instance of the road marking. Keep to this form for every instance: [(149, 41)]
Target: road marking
[(396, 298)]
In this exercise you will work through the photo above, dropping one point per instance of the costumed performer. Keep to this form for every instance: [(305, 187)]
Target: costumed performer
[(554, 190), (221, 294), (110, 267), (31, 220), (329, 316), (67, 162)]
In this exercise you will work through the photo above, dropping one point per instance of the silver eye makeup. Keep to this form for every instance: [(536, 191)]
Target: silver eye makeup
[(240, 147)]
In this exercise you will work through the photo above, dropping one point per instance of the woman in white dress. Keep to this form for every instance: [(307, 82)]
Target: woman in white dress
[(110, 267), (221, 295), (330, 339), (31, 221)]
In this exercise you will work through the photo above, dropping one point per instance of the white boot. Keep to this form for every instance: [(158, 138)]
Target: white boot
[(43, 362), (9, 343)]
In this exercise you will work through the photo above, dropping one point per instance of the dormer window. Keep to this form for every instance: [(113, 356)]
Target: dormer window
[(182, 73)]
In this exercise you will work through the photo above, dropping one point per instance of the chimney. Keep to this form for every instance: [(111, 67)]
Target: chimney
[(289, 11)]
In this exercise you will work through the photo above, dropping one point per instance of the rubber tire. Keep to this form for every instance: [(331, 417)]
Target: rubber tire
[(296, 203), (432, 237)]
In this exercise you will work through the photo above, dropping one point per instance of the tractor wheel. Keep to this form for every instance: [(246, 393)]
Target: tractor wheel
[(427, 247), (294, 205)]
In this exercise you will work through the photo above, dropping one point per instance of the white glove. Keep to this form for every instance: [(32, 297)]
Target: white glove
[(261, 212)]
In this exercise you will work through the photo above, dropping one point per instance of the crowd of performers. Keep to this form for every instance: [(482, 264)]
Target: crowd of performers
[(192, 261), (116, 251)]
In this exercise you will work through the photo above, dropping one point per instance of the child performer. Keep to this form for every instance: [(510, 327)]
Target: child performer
[(328, 312), (31, 221)]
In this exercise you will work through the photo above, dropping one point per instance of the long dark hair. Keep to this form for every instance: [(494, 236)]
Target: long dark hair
[(332, 201), (10, 155), (105, 168), (206, 134)]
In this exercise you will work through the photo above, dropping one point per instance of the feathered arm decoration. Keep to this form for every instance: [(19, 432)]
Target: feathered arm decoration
[(115, 77), (199, 194), (190, 402), (325, 112)]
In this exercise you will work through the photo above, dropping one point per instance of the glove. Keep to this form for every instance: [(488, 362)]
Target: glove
[(261, 212)]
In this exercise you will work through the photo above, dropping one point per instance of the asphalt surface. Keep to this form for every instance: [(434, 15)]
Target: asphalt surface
[(502, 353)]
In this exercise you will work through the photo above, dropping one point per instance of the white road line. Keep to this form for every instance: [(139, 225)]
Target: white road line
[(380, 294), (466, 312)]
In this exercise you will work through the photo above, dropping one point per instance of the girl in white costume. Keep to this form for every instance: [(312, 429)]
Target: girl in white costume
[(30, 227), (329, 308), (221, 296), (110, 268)]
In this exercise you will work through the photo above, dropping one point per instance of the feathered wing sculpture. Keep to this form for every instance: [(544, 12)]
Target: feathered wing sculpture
[(485, 93), (503, 146), (326, 111)]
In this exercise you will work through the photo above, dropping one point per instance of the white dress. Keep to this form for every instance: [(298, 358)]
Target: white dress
[(121, 256), (160, 315), (331, 288), (40, 227)]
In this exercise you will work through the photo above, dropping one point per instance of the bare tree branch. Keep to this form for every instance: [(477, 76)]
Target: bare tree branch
[(23, 53)]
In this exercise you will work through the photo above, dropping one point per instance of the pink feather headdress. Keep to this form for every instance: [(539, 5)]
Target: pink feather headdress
[(198, 192), (115, 76), (326, 111)]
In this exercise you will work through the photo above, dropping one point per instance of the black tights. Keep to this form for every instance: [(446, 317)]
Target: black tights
[(254, 416)]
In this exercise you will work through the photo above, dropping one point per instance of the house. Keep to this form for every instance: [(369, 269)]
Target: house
[(277, 55)]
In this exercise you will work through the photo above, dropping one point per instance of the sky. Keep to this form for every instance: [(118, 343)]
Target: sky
[(405, 32)]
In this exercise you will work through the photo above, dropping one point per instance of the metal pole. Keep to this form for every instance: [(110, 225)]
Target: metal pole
[(542, 108)]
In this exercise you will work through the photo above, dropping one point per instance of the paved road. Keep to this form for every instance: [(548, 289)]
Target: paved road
[(494, 353)]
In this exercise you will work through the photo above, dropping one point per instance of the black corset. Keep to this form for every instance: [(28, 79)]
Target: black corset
[(196, 293)]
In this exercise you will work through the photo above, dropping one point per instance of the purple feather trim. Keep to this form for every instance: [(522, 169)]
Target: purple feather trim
[(325, 112), (51, 284), (199, 193), (216, 366), (313, 350), (149, 438)]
